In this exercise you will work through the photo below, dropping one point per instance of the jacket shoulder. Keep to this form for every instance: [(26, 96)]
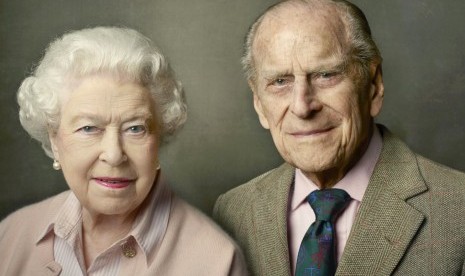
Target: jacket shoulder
[(246, 191), (244, 194), (211, 245), (28, 218), (438, 176), (233, 209), (20, 233), (190, 218)]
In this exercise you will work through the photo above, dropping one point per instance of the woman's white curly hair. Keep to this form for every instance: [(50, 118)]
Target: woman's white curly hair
[(120, 52)]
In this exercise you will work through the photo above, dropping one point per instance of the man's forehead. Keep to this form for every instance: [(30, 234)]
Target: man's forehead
[(303, 20), (282, 35), (311, 10)]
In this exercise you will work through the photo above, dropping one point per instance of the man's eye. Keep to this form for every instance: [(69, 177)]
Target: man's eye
[(136, 129), (327, 74), (327, 79), (280, 82)]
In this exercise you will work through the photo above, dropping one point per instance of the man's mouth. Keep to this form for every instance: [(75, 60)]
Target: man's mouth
[(312, 132)]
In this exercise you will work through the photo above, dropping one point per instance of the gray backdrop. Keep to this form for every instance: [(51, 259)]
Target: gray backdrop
[(222, 144)]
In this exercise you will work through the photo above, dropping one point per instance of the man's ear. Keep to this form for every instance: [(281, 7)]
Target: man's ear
[(376, 89), (52, 136), (258, 106)]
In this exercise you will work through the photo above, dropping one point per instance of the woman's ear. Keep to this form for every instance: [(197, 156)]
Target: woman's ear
[(52, 137)]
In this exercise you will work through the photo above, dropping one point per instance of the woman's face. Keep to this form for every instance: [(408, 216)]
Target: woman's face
[(107, 144)]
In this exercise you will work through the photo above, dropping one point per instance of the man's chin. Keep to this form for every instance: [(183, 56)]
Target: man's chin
[(314, 167)]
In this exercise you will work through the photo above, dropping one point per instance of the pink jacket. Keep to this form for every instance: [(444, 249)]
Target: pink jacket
[(192, 245)]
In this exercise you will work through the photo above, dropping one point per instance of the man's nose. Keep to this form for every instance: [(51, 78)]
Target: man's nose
[(112, 151), (304, 101)]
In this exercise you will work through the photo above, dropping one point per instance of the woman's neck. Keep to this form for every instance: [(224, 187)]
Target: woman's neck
[(99, 232)]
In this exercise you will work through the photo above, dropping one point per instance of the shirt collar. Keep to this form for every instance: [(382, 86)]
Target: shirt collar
[(66, 221), (148, 228), (354, 182), (150, 225)]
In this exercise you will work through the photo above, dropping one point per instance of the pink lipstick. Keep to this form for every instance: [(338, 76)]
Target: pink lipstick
[(113, 182)]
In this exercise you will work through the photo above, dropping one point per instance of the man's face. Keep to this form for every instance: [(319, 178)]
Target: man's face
[(307, 92)]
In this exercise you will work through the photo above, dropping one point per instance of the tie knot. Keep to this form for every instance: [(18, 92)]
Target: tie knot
[(328, 204)]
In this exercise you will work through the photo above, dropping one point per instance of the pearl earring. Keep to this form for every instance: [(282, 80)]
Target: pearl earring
[(56, 165)]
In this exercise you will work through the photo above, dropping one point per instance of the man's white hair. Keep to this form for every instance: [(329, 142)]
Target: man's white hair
[(363, 48)]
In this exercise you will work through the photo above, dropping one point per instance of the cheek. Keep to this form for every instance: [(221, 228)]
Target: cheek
[(77, 150), (145, 157), (275, 112), (77, 167), (356, 119), (345, 107)]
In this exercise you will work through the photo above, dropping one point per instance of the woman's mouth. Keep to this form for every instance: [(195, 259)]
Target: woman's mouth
[(113, 182)]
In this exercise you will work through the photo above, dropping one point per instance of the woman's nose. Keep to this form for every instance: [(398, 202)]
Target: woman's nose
[(111, 148)]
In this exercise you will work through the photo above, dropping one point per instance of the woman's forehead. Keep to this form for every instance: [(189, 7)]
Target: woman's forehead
[(101, 94)]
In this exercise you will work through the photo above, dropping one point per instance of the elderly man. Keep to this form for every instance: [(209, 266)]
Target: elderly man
[(351, 199)]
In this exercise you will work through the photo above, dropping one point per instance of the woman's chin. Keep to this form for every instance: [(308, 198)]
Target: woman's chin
[(108, 208)]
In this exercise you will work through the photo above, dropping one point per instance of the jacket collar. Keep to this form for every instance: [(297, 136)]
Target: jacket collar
[(44, 244), (270, 215), (384, 226), (386, 223)]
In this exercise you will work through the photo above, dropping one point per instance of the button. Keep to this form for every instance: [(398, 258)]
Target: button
[(129, 250), (54, 267)]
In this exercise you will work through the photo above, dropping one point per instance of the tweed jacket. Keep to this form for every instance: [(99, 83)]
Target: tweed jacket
[(192, 244), (411, 219)]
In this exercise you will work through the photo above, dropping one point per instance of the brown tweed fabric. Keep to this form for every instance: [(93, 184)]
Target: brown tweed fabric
[(411, 220)]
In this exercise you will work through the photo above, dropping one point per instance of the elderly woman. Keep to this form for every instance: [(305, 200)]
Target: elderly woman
[(100, 102)]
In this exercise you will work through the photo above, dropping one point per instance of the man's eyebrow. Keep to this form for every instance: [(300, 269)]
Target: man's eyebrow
[(340, 66), (270, 74)]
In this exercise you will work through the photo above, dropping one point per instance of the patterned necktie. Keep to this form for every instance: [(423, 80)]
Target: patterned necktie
[(317, 252)]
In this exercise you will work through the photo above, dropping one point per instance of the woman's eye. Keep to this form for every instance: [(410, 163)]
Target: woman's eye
[(88, 129), (136, 129)]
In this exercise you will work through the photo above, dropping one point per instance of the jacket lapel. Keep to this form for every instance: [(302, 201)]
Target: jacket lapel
[(385, 224), (45, 257), (270, 216), (44, 262)]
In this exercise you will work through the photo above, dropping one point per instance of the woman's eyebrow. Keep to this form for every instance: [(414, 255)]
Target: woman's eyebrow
[(95, 118)]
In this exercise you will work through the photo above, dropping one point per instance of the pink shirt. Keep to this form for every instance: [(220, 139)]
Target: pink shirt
[(135, 248), (355, 182)]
